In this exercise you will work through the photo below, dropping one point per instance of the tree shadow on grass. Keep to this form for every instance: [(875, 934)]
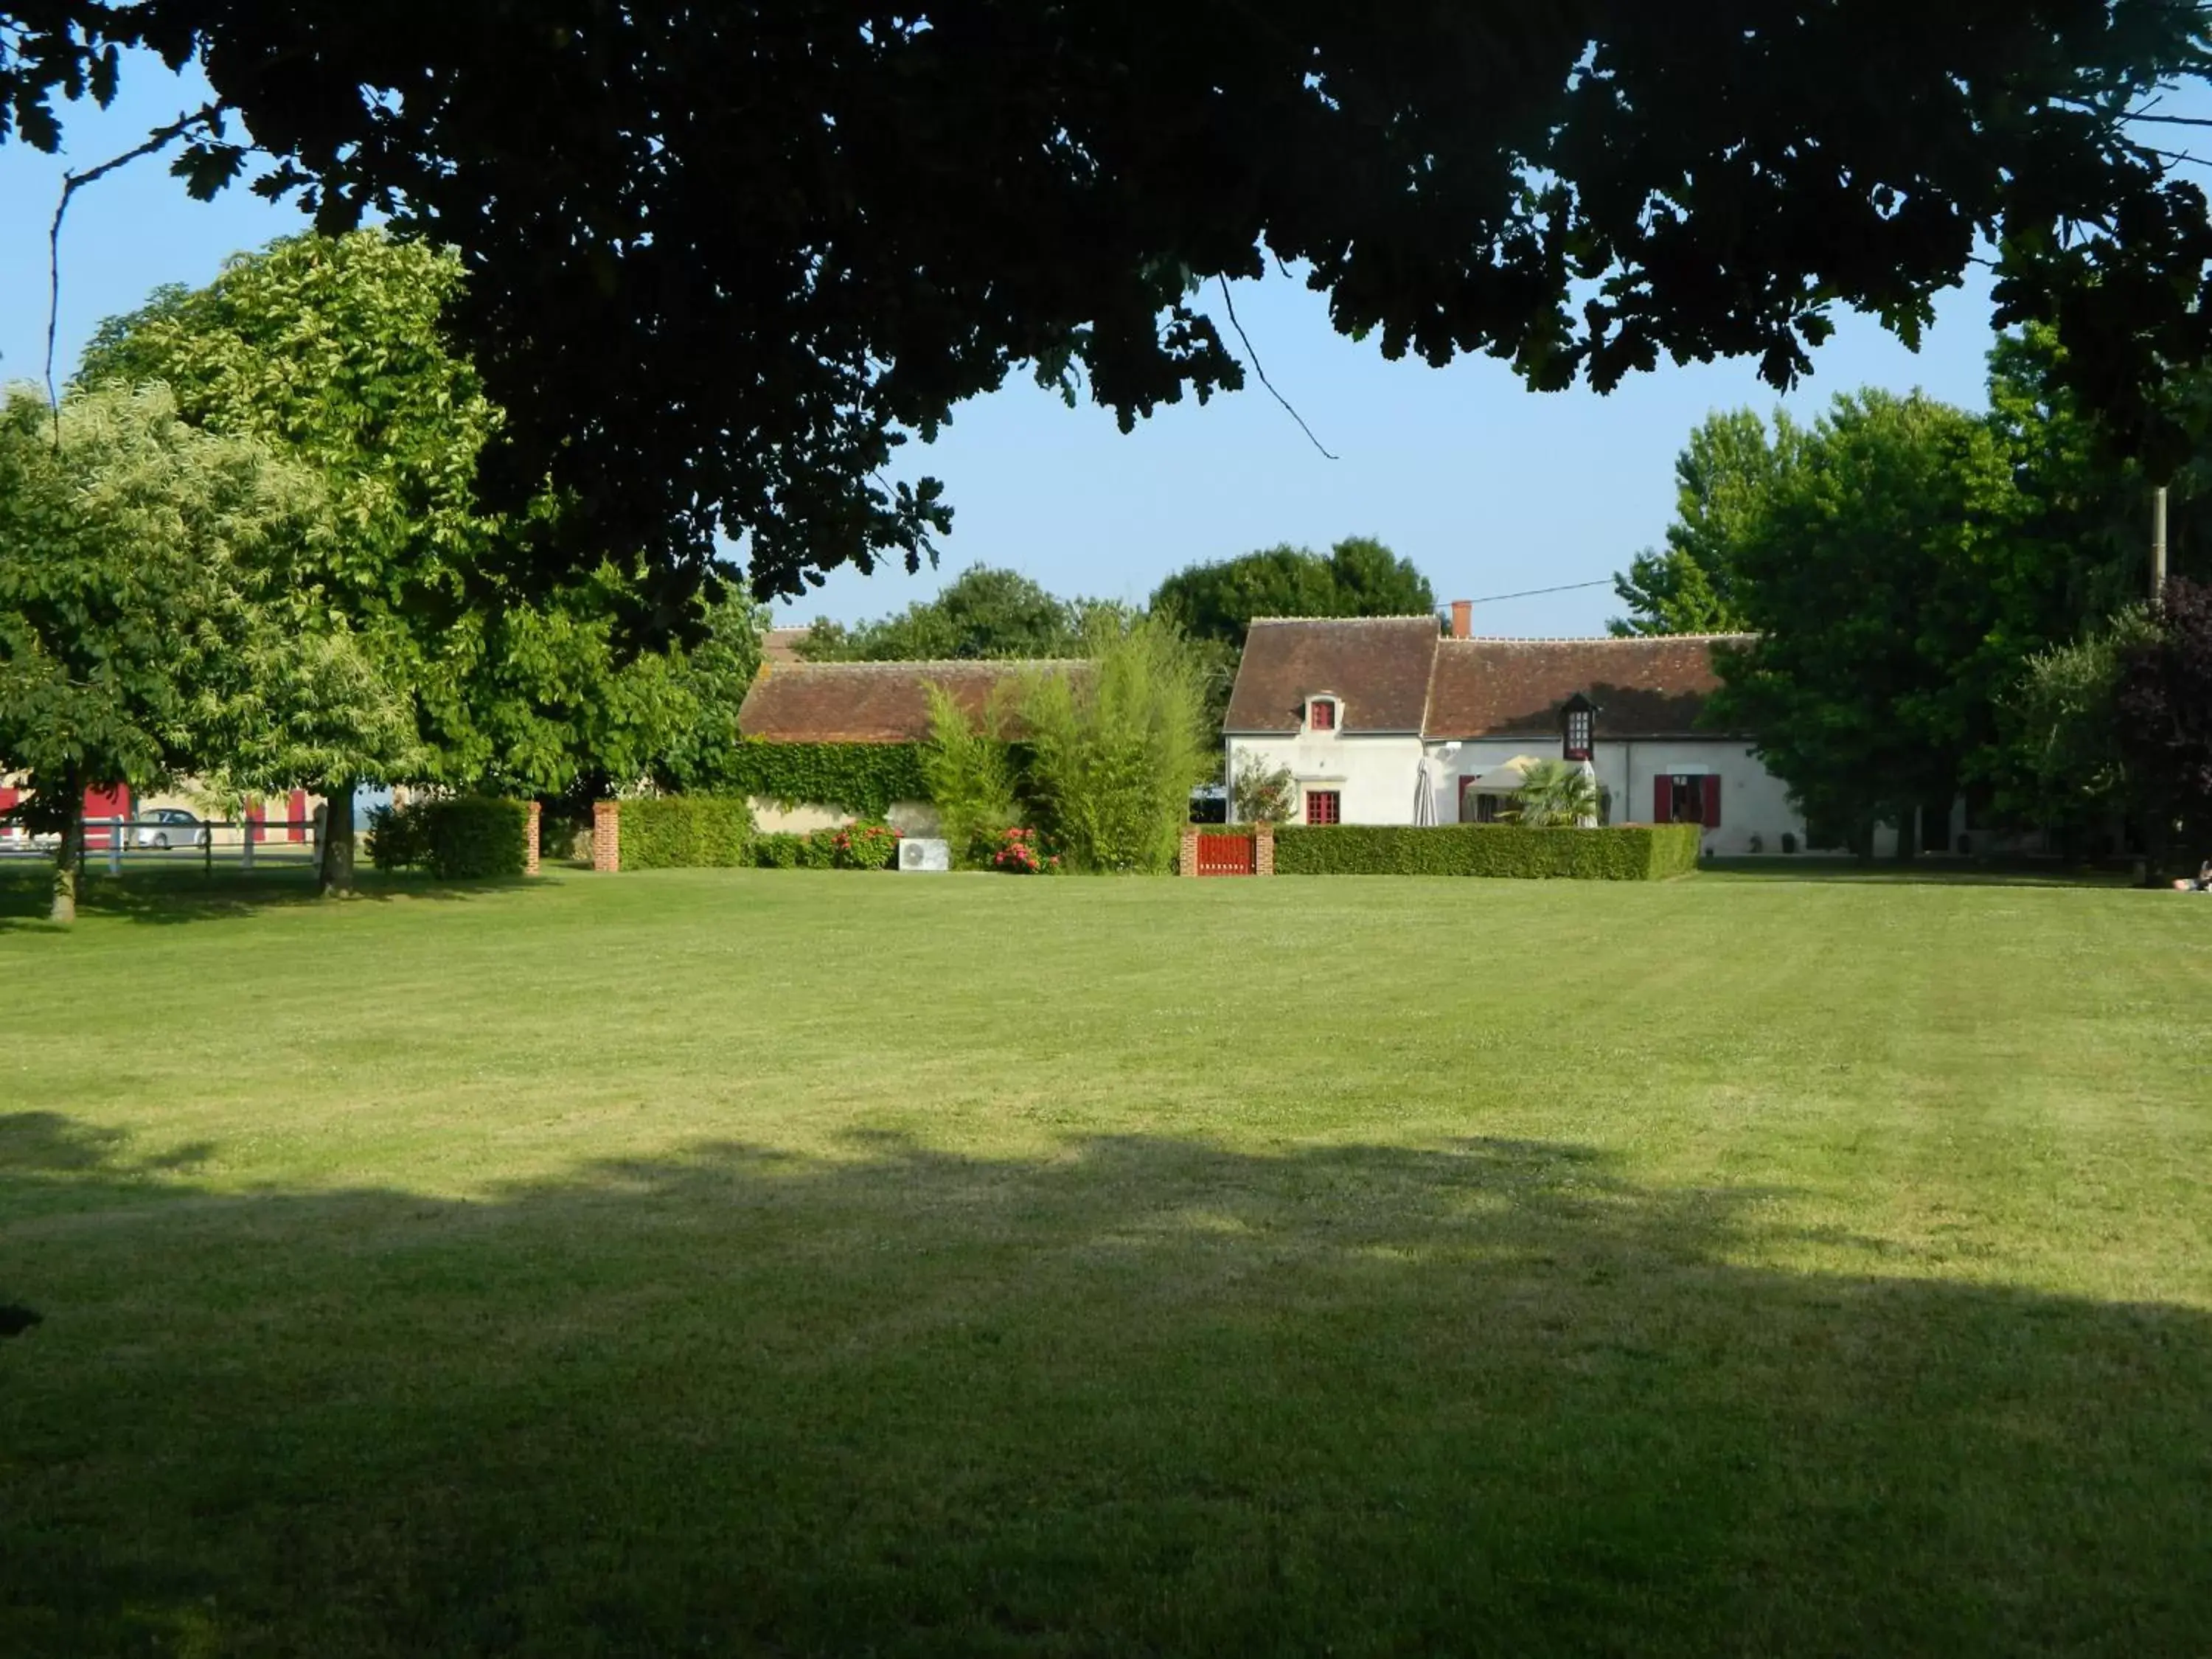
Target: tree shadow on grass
[(169, 895), (1142, 1395)]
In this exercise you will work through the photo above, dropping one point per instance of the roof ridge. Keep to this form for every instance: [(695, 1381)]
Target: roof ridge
[(1596, 639), (1413, 615)]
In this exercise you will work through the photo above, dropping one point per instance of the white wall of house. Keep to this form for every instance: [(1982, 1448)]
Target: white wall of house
[(908, 817), (1374, 775), (1377, 777)]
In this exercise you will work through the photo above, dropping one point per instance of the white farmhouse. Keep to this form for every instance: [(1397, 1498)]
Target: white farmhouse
[(1386, 720)]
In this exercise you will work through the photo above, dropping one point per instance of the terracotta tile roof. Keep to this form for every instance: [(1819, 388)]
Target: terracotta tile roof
[(782, 644), (867, 701), (1378, 664), (1644, 687)]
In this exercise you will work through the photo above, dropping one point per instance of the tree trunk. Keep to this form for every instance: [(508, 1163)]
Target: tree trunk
[(338, 838), (68, 860)]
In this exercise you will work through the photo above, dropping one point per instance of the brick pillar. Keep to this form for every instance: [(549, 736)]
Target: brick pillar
[(1263, 850), (606, 834), (1186, 861), (530, 840)]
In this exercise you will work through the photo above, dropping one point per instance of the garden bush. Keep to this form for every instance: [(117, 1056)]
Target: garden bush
[(1643, 852), (1114, 752), (456, 838), (671, 832), (852, 847)]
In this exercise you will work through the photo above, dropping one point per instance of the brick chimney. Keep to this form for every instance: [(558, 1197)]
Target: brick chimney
[(1462, 619)]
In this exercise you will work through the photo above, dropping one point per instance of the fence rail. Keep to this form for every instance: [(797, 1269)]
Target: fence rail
[(249, 842)]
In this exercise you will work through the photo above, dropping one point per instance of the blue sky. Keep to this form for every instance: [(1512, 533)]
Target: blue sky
[(1488, 488)]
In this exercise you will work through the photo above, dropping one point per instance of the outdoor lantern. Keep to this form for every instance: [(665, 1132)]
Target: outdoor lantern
[(1575, 726)]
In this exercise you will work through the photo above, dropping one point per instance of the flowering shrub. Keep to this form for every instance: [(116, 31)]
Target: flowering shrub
[(1018, 853), (855, 847), (866, 847)]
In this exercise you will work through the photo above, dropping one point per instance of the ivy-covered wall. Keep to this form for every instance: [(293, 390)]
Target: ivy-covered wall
[(863, 778)]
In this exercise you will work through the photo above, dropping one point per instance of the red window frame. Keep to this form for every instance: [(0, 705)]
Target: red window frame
[(1324, 806), (1322, 713)]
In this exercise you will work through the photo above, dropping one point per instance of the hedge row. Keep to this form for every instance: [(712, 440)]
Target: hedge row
[(458, 838), (674, 832), (1638, 851), (863, 778)]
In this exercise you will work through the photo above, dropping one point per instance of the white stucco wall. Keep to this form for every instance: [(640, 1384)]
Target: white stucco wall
[(1375, 774), (1377, 777), (908, 817)]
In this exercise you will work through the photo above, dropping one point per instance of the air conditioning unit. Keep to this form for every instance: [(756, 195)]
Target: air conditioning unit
[(920, 853)]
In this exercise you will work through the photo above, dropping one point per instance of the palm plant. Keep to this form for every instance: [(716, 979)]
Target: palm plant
[(1555, 794)]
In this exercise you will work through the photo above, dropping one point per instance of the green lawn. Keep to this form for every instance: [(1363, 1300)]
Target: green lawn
[(709, 1262)]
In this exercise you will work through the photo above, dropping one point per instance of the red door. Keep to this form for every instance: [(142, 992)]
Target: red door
[(113, 802), (296, 811)]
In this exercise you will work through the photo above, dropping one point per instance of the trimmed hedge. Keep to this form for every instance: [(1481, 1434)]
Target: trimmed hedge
[(677, 832), (863, 778), (1631, 852), (458, 838)]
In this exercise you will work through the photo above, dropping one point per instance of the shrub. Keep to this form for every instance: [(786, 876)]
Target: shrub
[(394, 839), (1113, 753), (1642, 852), (970, 777), (457, 838), (852, 847), (1262, 793), (670, 832), (1017, 851), (866, 847)]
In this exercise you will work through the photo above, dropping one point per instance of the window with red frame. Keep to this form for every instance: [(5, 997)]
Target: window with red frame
[(1323, 718), (1324, 806)]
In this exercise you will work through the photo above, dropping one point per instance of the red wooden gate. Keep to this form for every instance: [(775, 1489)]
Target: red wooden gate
[(1225, 855)]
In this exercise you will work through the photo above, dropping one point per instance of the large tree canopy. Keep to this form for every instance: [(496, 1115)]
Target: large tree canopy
[(983, 612), (724, 258)]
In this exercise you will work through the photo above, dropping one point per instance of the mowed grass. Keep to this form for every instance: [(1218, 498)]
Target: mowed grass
[(813, 1263)]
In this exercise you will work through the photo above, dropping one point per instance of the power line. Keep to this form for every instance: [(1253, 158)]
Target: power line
[(1530, 593)]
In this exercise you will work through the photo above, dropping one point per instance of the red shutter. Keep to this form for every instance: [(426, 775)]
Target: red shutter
[(1662, 800), (298, 809), (1712, 801)]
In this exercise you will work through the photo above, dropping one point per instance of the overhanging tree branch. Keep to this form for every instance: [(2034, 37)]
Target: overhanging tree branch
[(159, 139)]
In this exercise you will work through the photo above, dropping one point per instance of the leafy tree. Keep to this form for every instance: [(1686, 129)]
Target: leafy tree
[(1114, 751), (2089, 508), (983, 612), (1722, 481), (725, 259), (2164, 702), (2064, 717), (1357, 577), (1882, 578), (1213, 604), (698, 753), (146, 625), (331, 350)]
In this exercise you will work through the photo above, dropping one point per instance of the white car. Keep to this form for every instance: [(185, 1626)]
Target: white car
[(170, 826)]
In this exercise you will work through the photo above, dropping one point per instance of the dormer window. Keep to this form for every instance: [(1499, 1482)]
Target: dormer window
[(1321, 714)]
